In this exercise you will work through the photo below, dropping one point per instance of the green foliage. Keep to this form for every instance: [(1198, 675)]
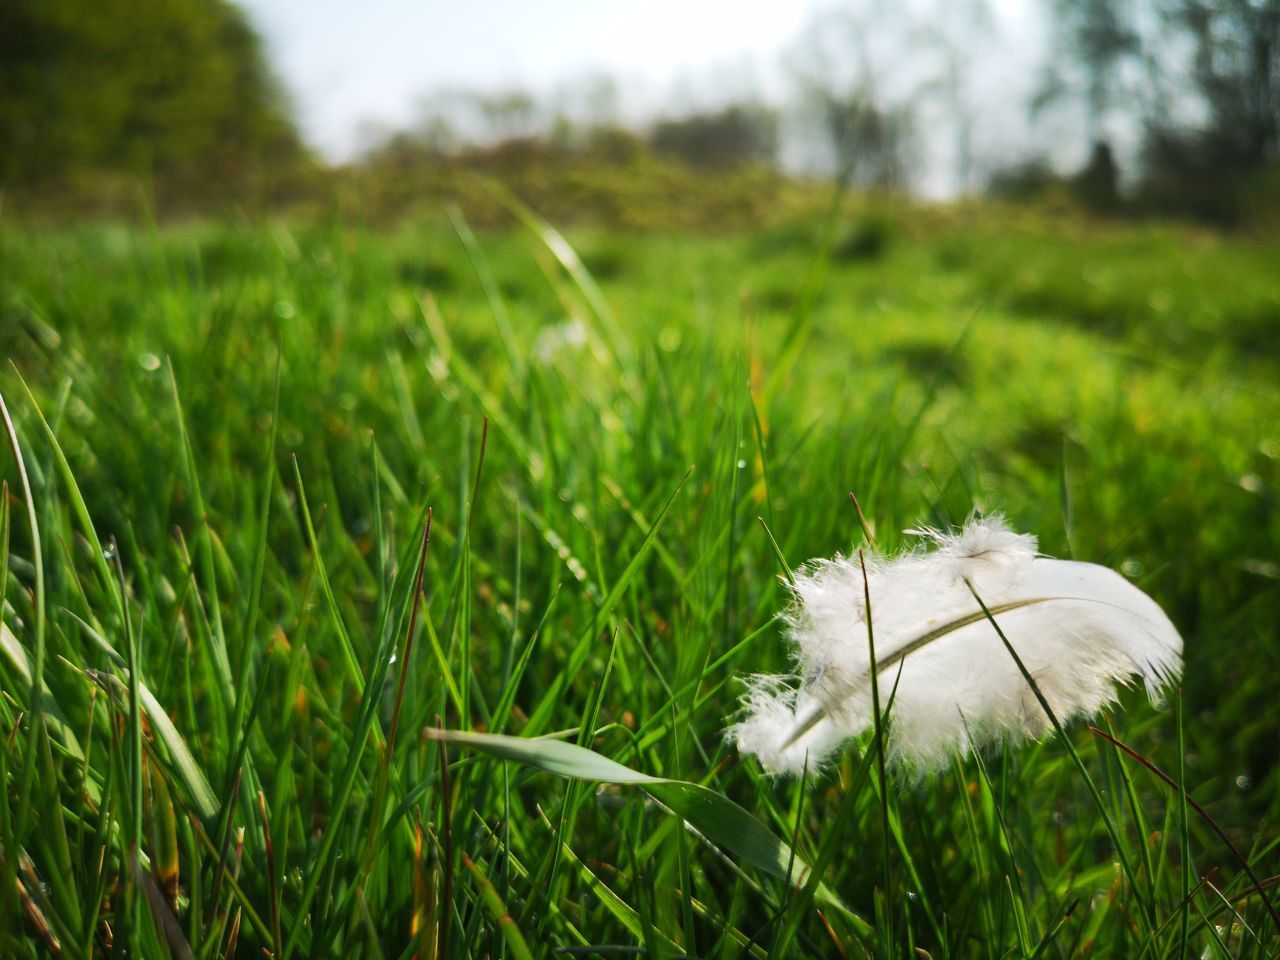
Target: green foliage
[(200, 668), (174, 94)]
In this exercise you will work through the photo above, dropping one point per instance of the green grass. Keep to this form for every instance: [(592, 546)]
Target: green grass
[(233, 436)]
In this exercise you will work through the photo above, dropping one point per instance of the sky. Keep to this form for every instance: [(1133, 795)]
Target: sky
[(346, 63), (355, 67)]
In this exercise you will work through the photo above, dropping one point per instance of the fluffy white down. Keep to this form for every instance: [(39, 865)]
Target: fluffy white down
[(1085, 630)]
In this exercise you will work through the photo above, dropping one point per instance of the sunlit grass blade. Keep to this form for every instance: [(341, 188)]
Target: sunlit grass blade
[(563, 251)]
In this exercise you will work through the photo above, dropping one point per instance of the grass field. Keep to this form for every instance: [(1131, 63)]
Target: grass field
[(233, 436)]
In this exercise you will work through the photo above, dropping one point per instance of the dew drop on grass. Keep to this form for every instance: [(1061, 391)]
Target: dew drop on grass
[(742, 464), (284, 310), (1243, 782), (149, 362), (108, 553), (1132, 568)]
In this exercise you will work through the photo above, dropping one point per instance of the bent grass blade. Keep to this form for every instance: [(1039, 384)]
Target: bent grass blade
[(714, 817)]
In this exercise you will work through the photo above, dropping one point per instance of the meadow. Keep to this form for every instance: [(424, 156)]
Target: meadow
[(219, 690)]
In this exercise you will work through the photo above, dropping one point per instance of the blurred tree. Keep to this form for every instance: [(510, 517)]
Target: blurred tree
[(581, 108), (742, 133), (871, 141), (1217, 158), (176, 92), (1200, 81), (506, 115), (1236, 70), (957, 34), (861, 89), (1094, 39), (1097, 186)]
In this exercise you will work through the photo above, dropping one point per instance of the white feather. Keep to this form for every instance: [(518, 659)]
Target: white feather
[(1077, 627)]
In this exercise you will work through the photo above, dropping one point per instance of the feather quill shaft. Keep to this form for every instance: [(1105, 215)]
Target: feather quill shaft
[(882, 664), (1080, 628)]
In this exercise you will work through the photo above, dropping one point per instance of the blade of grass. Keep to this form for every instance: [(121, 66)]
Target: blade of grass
[(1148, 909), (878, 746), (193, 779), (345, 646), (497, 911), (538, 720), (35, 695), (1204, 815), (204, 547), (715, 817)]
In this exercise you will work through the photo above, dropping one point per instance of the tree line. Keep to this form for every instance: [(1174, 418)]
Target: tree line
[(1167, 106)]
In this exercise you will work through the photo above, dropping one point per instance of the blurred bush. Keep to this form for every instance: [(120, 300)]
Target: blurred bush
[(612, 178)]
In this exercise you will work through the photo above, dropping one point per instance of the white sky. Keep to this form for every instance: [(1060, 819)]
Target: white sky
[(353, 62), (346, 62)]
